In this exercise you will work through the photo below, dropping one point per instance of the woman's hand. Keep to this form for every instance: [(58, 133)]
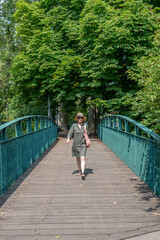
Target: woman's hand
[(67, 141)]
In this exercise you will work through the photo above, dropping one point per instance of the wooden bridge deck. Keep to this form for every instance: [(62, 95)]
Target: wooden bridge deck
[(50, 201)]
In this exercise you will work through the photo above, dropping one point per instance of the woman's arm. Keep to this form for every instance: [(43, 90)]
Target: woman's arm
[(70, 134), (86, 128)]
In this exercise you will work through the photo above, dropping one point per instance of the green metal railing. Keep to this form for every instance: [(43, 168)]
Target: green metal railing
[(22, 141), (136, 145)]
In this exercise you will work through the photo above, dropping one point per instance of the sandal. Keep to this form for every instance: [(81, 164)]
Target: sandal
[(79, 172), (83, 176)]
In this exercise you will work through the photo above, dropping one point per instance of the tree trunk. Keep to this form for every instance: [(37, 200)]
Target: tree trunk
[(62, 117), (93, 119), (49, 106), (7, 108)]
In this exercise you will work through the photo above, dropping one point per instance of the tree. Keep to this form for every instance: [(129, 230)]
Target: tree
[(7, 53), (49, 43), (33, 68), (146, 105), (78, 52), (113, 36)]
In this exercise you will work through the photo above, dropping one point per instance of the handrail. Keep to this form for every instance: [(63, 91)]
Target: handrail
[(22, 141), (136, 145), (18, 126), (107, 121)]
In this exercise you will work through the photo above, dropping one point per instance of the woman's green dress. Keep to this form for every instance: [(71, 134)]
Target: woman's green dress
[(79, 148)]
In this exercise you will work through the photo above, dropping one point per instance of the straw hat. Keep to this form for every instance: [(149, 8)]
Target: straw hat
[(80, 115)]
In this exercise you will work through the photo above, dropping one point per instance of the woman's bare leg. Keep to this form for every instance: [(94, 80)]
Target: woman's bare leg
[(83, 164), (78, 163)]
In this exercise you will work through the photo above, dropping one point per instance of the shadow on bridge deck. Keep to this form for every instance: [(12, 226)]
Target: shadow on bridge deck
[(50, 201)]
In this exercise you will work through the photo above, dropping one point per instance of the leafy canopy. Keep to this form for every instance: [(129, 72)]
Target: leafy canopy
[(77, 51)]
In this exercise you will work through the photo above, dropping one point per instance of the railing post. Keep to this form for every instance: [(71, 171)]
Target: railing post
[(110, 122), (18, 129), (36, 124), (114, 122), (106, 122), (46, 122), (127, 128), (137, 131), (3, 135), (29, 127), (41, 123), (120, 124)]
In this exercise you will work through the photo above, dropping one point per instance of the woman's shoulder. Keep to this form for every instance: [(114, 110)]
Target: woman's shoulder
[(74, 124)]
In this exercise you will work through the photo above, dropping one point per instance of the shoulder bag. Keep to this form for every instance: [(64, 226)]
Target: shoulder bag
[(88, 142)]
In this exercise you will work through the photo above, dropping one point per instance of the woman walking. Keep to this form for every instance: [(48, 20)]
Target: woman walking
[(79, 148)]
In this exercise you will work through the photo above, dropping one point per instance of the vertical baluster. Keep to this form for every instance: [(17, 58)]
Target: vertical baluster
[(127, 128), (114, 122), (119, 124), (110, 122), (29, 126), (46, 122), (18, 129), (42, 123), (137, 131), (106, 122), (36, 123)]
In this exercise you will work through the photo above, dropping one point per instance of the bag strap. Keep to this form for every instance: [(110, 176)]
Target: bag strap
[(85, 126)]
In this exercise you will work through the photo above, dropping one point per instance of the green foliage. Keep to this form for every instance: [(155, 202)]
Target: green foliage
[(82, 53), (113, 36), (19, 109), (29, 19), (120, 105), (7, 53), (147, 102), (155, 3), (74, 7), (49, 62), (33, 68), (115, 39)]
